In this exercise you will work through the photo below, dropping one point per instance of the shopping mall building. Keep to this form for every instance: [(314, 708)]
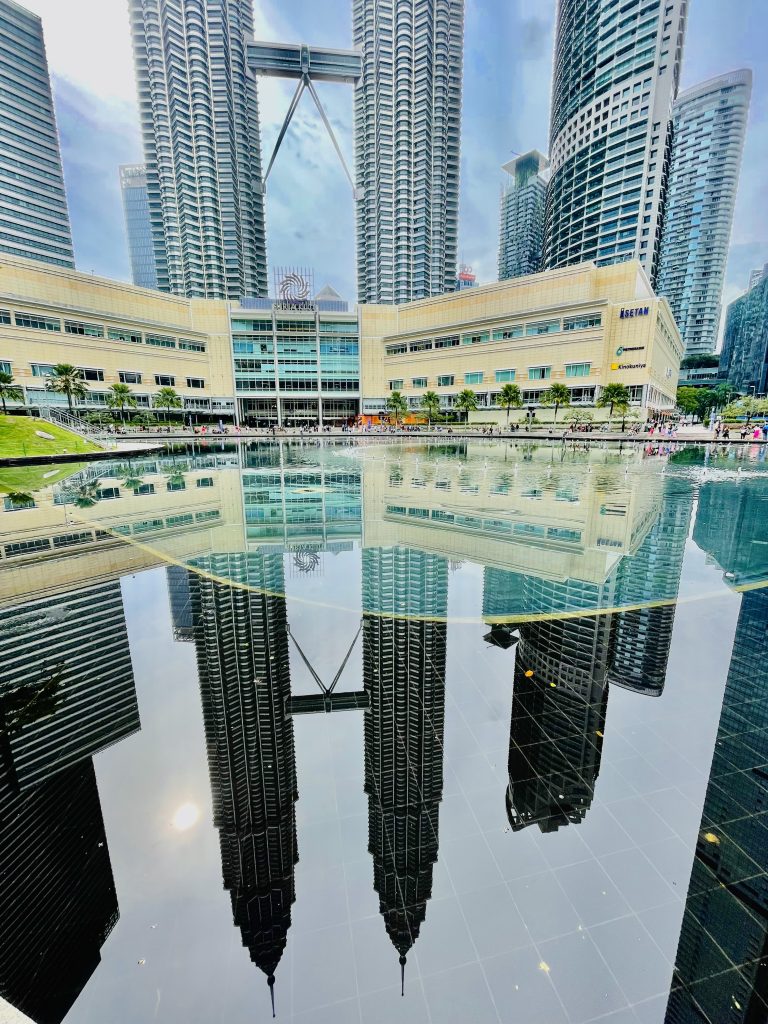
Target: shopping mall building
[(287, 362)]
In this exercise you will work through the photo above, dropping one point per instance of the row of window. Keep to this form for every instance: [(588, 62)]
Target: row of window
[(90, 373), (447, 380), (38, 322), (582, 322), (295, 326), (490, 525)]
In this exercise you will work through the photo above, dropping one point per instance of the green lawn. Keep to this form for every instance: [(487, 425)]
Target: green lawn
[(18, 436), (25, 479)]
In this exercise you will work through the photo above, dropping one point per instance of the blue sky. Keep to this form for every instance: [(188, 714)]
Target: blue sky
[(310, 217)]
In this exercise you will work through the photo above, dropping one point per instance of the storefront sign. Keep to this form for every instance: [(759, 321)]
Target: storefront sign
[(628, 366), (637, 311), (629, 348)]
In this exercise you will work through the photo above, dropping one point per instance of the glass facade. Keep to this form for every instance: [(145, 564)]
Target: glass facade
[(523, 204), (744, 357), (709, 123), (138, 225), (616, 74), (34, 220)]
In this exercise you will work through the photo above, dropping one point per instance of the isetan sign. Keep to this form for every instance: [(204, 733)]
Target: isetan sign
[(625, 314)]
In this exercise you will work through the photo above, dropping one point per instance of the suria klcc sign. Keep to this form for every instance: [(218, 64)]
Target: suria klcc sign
[(626, 314)]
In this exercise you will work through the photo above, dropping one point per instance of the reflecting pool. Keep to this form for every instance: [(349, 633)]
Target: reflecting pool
[(386, 731)]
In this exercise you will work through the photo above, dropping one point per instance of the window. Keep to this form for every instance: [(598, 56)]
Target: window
[(5, 316), (395, 385), (475, 339), (445, 380), (252, 325), (164, 380), (504, 376), (176, 485), (129, 376), (539, 372), (114, 334), (91, 330), (418, 382), (507, 332), (450, 342), (5, 366), (543, 327), (191, 346), (420, 346), (577, 369), (144, 489), (205, 481), (41, 369), (39, 323), (475, 377), (17, 502), (195, 382), (105, 493), (582, 323), (88, 373), (160, 341), (396, 350)]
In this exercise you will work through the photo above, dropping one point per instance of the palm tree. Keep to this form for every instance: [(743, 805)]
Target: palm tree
[(466, 402), (87, 494), (557, 395), (615, 396), (9, 392), (119, 396), (166, 398), (66, 379), (397, 405), (430, 401), (510, 398)]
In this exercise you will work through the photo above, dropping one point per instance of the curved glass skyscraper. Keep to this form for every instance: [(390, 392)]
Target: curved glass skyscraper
[(200, 124), (616, 74)]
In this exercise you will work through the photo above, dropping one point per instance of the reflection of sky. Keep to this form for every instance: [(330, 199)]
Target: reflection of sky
[(175, 914)]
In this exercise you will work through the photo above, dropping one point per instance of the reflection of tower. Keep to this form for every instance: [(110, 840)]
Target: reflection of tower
[(559, 704), (57, 896), (721, 968), (404, 673), (644, 635), (180, 598), (242, 656), (70, 655)]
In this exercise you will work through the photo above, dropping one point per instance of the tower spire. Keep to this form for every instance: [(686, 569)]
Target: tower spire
[(271, 983), (402, 975)]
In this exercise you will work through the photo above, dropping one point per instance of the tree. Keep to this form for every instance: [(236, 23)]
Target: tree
[(557, 395), (87, 494), (578, 416), (9, 392), (119, 397), (397, 405), (466, 402), (615, 396), (707, 399), (166, 398), (430, 401), (724, 394), (700, 361), (687, 401), (510, 398), (66, 379)]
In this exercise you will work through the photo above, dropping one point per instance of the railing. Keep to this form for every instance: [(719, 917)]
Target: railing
[(66, 419)]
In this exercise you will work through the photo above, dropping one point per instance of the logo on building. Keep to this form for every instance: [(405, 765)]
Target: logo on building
[(628, 366), (294, 287), (629, 348), (624, 314)]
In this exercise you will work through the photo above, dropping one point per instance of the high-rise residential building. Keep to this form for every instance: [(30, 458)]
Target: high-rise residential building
[(138, 225), (34, 220), (708, 127), (466, 279), (407, 128), (241, 640), (744, 355), (405, 602), (199, 115), (523, 206), (616, 75), (758, 275)]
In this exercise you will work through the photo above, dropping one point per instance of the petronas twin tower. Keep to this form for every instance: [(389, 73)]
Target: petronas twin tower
[(198, 106)]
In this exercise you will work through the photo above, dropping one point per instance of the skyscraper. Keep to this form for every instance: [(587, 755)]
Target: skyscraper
[(758, 275), (523, 205), (407, 128), (616, 74), (744, 355), (200, 123), (708, 127), (241, 639), (138, 226), (34, 221), (404, 592)]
